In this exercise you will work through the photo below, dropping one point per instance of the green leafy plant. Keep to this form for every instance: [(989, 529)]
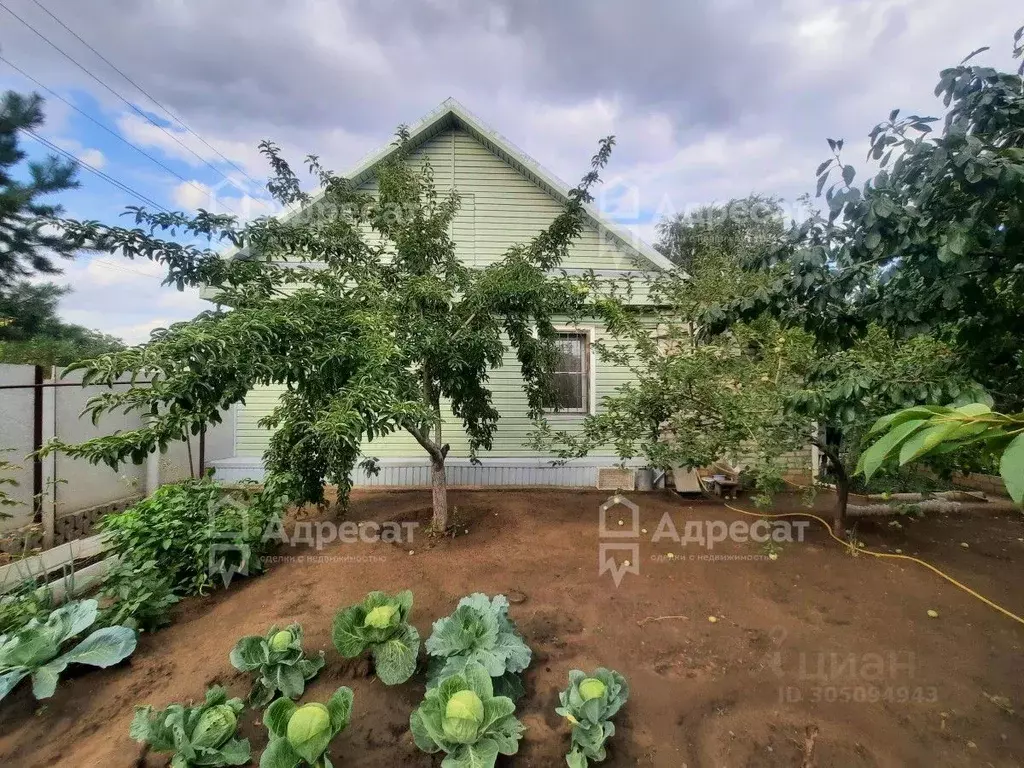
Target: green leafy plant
[(479, 631), (202, 735), (380, 623), (362, 346), (138, 596), (930, 430), (463, 717), (35, 649), (279, 664), (589, 704), (193, 531), (27, 600), (301, 735), (6, 466)]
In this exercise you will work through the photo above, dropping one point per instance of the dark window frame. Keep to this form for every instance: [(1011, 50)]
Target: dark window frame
[(584, 374)]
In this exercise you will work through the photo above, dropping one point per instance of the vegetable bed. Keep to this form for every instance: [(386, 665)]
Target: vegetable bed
[(736, 691)]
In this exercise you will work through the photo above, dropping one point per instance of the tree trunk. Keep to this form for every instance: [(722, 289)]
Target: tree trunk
[(439, 489), (842, 499), (835, 462)]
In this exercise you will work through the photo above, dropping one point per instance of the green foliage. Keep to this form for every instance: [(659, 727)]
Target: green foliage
[(463, 718), (381, 624), (193, 531), (696, 397), (300, 735), (589, 704), (196, 735), (138, 595), (31, 332), (5, 499), (479, 632), (931, 243), (28, 245), (279, 664), (720, 372), (364, 345), (35, 648), (915, 433), (26, 601)]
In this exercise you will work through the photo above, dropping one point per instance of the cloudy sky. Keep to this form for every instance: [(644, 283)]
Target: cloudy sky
[(709, 99)]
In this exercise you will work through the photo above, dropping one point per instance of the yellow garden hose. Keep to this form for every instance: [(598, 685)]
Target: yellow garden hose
[(919, 561)]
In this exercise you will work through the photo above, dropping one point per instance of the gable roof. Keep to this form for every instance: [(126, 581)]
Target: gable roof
[(452, 115)]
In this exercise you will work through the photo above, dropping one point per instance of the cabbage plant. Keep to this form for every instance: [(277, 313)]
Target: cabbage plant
[(463, 717), (301, 735), (380, 623), (589, 703), (201, 735), (279, 664), (35, 649), (479, 631)]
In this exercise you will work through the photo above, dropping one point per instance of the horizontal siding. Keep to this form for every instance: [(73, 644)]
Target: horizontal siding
[(499, 208), (505, 383)]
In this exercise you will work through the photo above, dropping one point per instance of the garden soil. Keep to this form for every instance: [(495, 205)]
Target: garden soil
[(814, 658)]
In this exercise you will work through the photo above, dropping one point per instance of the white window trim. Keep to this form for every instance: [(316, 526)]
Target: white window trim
[(591, 409)]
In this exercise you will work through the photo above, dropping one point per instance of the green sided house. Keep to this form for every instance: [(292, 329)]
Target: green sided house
[(506, 198)]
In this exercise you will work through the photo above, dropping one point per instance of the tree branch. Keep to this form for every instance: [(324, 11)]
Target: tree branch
[(429, 447)]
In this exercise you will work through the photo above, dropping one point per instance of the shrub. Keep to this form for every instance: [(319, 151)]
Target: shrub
[(202, 735), (301, 735), (479, 631), (27, 601), (194, 530), (589, 703), (35, 649), (380, 623), (278, 662), (463, 717), (139, 596)]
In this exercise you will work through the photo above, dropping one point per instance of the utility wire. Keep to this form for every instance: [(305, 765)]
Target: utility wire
[(113, 133), (147, 118), (146, 93), (119, 184)]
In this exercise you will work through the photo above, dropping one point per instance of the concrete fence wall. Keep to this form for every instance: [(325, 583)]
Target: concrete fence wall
[(74, 492)]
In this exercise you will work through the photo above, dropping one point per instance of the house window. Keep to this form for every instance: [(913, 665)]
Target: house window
[(572, 373)]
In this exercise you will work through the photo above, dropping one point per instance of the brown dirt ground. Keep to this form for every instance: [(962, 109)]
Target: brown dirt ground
[(739, 692)]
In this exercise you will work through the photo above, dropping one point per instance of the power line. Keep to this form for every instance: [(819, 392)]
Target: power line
[(173, 116), (146, 117), (119, 184), (113, 133)]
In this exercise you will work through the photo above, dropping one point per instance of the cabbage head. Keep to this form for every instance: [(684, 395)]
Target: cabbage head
[(588, 704), (462, 717), (479, 631), (300, 735), (381, 624), (202, 735), (277, 663)]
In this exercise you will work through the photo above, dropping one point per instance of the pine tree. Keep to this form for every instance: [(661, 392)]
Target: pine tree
[(27, 243)]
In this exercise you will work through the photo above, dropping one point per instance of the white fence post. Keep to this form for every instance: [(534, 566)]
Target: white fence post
[(48, 503), (152, 472)]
